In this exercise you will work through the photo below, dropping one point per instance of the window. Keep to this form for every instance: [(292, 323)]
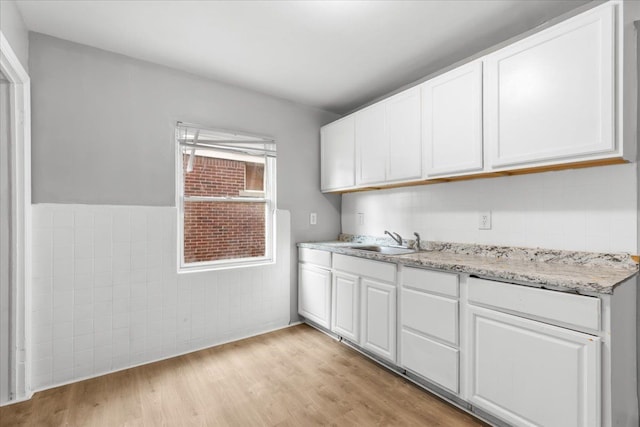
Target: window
[(226, 197)]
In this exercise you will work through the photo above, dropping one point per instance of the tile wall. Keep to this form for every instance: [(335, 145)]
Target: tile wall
[(593, 209), (106, 294)]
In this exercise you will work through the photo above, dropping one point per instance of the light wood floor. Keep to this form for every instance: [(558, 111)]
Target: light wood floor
[(293, 377)]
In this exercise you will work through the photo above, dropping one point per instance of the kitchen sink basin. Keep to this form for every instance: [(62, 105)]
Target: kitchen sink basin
[(385, 250)]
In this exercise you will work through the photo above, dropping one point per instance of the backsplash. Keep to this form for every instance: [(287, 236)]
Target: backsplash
[(593, 209), (106, 294)]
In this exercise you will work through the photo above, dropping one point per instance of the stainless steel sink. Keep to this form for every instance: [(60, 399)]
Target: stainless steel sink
[(385, 250)]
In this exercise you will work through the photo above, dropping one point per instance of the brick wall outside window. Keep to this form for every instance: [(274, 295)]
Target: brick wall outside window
[(220, 230)]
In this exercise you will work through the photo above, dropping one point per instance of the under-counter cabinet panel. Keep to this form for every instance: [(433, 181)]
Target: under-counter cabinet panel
[(379, 318), (346, 306), (432, 315), (551, 96), (531, 373), (430, 359), (337, 147), (429, 326), (452, 121), (314, 294)]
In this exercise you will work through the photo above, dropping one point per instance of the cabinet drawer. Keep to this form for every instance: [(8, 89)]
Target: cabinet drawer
[(566, 309), (315, 256), (434, 361), (431, 315), (365, 267), (431, 281)]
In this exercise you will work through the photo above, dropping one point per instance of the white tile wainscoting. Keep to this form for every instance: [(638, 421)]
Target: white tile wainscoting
[(592, 209), (106, 294)]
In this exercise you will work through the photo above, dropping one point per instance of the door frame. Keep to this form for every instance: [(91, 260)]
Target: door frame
[(20, 140)]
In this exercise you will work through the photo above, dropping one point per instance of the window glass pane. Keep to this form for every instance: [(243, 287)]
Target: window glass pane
[(254, 176), (223, 230), (221, 174)]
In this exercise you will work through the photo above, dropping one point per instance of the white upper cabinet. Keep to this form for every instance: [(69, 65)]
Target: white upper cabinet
[(550, 97), (405, 143), (452, 121), (563, 95), (337, 158), (371, 145), (388, 141)]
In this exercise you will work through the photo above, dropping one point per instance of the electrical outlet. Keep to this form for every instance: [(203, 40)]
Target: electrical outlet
[(484, 221), (360, 219), (313, 218)]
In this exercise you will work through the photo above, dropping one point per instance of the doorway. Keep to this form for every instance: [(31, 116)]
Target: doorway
[(15, 226)]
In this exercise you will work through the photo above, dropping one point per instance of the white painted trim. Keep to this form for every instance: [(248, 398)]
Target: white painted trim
[(20, 94), (270, 219)]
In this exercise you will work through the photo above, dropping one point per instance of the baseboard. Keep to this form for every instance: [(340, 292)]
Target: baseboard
[(76, 380), (22, 399)]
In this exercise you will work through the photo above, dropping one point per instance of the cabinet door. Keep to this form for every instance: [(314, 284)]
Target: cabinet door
[(345, 307), (551, 95), (379, 318), (452, 121), (371, 145), (337, 148), (314, 294), (404, 136), (532, 374)]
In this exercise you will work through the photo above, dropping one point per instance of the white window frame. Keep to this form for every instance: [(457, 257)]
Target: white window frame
[(270, 210)]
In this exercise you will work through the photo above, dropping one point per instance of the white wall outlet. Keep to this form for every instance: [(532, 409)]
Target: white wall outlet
[(484, 220), (360, 219), (313, 218)]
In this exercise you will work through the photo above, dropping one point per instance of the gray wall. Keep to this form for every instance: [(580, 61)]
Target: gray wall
[(14, 30), (102, 133)]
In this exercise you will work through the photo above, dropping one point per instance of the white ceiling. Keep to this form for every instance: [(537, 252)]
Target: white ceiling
[(335, 55)]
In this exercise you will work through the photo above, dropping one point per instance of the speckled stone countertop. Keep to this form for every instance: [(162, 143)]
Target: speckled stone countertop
[(581, 272)]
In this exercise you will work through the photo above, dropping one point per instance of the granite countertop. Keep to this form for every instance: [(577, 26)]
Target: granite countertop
[(581, 272)]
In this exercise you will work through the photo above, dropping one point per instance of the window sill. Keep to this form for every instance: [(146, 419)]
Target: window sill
[(224, 265)]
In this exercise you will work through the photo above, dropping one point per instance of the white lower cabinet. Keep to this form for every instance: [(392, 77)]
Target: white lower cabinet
[(429, 326), (513, 354), (314, 286), (346, 306), (530, 373), (364, 304), (430, 359), (314, 294), (379, 318)]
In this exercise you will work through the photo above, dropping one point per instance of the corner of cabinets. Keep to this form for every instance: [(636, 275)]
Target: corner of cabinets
[(337, 155)]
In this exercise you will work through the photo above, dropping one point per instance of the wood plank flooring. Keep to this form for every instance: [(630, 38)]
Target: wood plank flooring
[(292, 377)]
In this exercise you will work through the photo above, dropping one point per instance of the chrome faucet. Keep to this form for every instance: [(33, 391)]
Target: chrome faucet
[(417, 245), (394, 236)]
